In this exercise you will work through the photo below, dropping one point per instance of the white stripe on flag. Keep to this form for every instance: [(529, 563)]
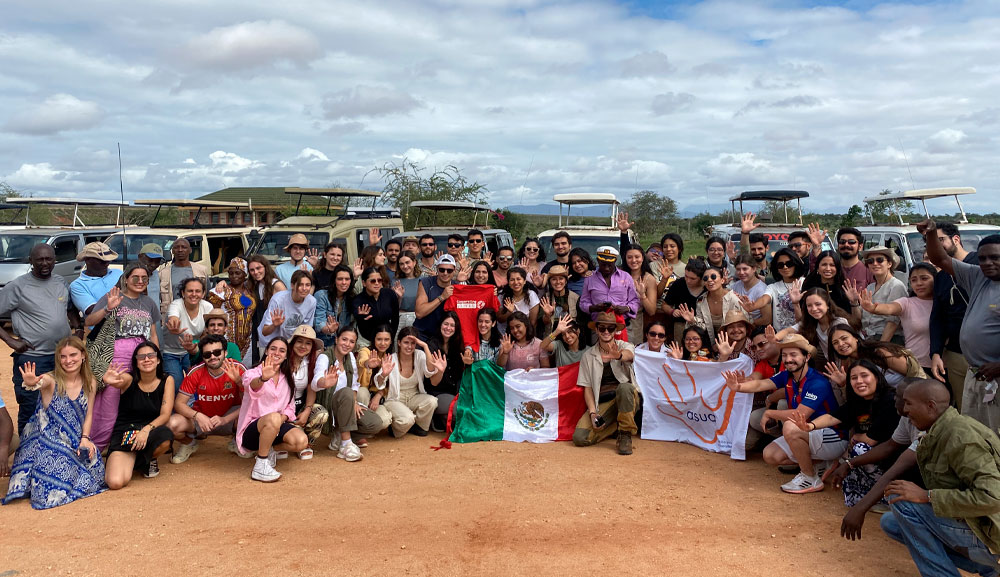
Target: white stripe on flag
[(531, 411)]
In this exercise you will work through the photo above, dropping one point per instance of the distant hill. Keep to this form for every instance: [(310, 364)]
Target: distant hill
[(553, 209)]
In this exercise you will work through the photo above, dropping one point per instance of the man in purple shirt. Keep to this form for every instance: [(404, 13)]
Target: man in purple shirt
[(849, 244), (610, 288)]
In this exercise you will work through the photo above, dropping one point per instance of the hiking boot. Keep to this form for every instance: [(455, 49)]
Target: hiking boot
[(182, 452), (234, 449), (416, 430), (263, 471), (154, 470), (350, 453), (624, 443), (803, 484)]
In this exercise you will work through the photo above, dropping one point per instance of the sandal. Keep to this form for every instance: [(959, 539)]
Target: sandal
[(306, 454), (362, 444)]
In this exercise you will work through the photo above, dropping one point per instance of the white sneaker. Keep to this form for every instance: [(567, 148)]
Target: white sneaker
[(350, 453), (803, 484), (182, 452), (235, 450), (264, 472), (272, 458), (822, 467)]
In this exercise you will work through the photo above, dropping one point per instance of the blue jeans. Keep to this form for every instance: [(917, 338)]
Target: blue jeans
[(938, 545), (175, 366), (28, 400)]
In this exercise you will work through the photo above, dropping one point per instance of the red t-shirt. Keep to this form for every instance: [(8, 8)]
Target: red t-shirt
[(214, 396), (765, 370), (467, 301)]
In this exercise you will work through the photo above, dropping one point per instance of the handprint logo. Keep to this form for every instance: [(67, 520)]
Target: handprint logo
[(687, 407)]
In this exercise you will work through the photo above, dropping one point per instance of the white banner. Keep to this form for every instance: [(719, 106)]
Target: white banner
[(688, 401)]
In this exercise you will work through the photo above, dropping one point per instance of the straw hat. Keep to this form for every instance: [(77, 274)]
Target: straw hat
[(797, 342), (97, 250), (884, 251), (558, 270), (216, 313), (736, 316), (607, 318), (297, 238), (308, 332)]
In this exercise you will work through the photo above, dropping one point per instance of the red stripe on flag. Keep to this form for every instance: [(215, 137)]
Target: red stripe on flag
[(572, 404)]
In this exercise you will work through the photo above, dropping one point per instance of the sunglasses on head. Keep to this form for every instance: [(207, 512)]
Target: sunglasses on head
[(875, 260), (784, 264), (215, 353), (606, 328), (454, 245), (847, 241), (709, 277)]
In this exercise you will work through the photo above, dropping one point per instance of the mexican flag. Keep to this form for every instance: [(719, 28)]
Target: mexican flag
[(537, 406)]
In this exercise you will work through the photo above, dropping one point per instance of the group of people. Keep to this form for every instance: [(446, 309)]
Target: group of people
[(852, 365)]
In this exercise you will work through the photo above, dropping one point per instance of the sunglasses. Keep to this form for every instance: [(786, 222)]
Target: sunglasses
[(375, 280), (716, 249), (444, 270), (476, 240), (505, 258), (145, 356), (875, 260), (427, 244), (784, 264), (710, 277), (849, 242), (693, 340), (215, 353), (531, 249), (759, 345), (606, 328), (653, 335), (454, 245), (139, 279), (795, 245)]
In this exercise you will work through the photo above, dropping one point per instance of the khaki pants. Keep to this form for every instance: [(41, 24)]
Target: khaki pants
[(618, 413), (973, 405), (957, 366), (755, 433), (318, 417), (410, 409), (345, 418), (365, 396)]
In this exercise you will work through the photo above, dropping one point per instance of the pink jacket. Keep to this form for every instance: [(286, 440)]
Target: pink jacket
[(275, 396)]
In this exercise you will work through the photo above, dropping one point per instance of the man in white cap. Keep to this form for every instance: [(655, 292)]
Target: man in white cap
[(432, 292), (611, 288), (297, 247), (96, 279)]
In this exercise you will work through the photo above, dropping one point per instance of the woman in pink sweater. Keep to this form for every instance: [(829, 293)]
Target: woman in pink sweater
[(267, 412)]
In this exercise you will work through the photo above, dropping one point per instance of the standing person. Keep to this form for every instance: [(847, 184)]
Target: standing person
[(563, 343), (6, 436), (684, 294), (789, 271), (505, 260), (850, 241), (334, 305), (377, 305), (401, 375), (476, 242), (185, 323), (634, 262), (610, 391), (289, 309), (562, 245), (338, 393), (519, 348), (263, 284), (947, 315), (754, 245), (268, 412), (914, 312), (611, 288), (450, 346), (531, 256), (151, 257), (581, 268), (140, 434), (953, 523), (519, 296), (750, 286), (456, 246), (886, 288), (557, 300), (428, 260), (393, 248), (333, 255), (182, 267), (56, 462), (96, 279), (307, 364), (980, 335), (801, 244), (237, 300), (39, 305), (297, 247), (372, 256), (216, 387), (673, 259), (432, 292), (134, 316), (715, 254), (713, 306), (411, 244)]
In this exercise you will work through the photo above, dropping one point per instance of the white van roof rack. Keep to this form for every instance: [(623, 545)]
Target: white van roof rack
[(923, 195), (573, 198), (159, 203), (76, 203), (782, 196), (441, 205)]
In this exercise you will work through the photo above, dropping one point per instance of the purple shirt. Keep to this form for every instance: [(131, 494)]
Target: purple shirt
[(621, 292), (860, 274)]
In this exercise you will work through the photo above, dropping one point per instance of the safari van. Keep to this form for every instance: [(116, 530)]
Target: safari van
[(774, 227), (496, 238), (586, 236)]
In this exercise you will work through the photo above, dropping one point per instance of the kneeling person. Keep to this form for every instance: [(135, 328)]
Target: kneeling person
[(611, 396), (809, 395), (215, 385)]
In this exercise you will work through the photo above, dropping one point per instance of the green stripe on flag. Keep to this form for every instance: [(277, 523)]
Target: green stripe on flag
[(479, 409)]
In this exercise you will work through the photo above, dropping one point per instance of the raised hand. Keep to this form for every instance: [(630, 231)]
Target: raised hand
[(865, 298), (730, 251), (733, 379), (675, 351), (387, 365), (795, 291), (816, 234), (373, 362), (851, 290), (30, 381), (612, 353), (359, 268), (114, 298), (397, 287), (174, 325), (835, 373), (508, 303), (232, 369), (506, 345), (467, 356), (723, 345), (438, 361), (537, 279), (277, 317), (563, 324), (799, 420), (313, 257), (523, 263), (548, 307), (746, 303), (488, 259), (770, 335), (748, 224), (925, 226), (330, 377), (115, 375), (623, 223), (465, 272), (365, 311), (222, 288), (269, 369), (331, 326), (640, 287), (686, 313), (374, 236)]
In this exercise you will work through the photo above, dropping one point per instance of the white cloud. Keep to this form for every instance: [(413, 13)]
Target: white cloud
[(650, 63), (57, 113), (669, 103), (251, 45), (946, 140), (743, 169), (312, 154), (367, 101), (41, 176)]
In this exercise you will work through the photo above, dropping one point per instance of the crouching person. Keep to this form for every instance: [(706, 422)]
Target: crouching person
[(216, 387), (612, 397), (808, 395)]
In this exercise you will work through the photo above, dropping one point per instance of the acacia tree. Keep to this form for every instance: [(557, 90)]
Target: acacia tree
[(651, 213), (406, 182)]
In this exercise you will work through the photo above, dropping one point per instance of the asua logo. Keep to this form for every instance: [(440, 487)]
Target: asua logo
[(531, 415)]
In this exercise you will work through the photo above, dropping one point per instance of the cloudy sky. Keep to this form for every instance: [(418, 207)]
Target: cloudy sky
[(695, 100)]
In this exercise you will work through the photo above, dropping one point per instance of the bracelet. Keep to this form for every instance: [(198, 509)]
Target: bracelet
[(87, 437), (849, 464)]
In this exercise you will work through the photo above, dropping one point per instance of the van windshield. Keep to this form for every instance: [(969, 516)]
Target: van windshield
[(135, 244), (970, 241), (272, 243), (15, 247), (589, 243)]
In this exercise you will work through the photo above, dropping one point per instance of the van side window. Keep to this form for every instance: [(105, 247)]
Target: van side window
[(872, 239), (65, 249), (893, 241), (222, 249), (195, 242)]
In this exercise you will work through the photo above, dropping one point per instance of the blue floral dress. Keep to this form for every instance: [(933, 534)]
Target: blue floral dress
[(46, 465)]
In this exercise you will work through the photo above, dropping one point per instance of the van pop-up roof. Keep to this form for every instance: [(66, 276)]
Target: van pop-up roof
[(571, 199), (923, 195), (782, 196)]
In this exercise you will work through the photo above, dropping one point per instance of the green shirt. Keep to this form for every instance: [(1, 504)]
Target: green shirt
[(959, 459)]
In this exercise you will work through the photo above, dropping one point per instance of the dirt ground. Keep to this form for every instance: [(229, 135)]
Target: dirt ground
[(480, 509)]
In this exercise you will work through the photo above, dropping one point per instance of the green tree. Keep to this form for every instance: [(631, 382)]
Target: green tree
[(406, 182), (855, 216), (652, 214), (887, 210)]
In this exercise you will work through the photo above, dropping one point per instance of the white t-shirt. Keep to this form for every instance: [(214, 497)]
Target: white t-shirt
[(782, 308), (758, 290), (195, 326), (295, 314), (301, 376), (823, 336)]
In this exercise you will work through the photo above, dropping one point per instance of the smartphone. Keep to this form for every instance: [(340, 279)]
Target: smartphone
[(599, 422)]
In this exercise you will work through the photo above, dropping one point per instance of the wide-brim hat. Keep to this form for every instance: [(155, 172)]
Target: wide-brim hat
[(307, 332), (216, 313), (558, 270), (883, 250), (297, 238), (736, 316), (796, 342), (606, 318), (97, 250)]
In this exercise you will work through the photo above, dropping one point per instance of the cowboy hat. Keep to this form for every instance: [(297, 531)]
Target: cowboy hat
[(607, 318), (216, 313), (797, 342), (558, 270), (883, 250), (97, 250), (299, 239), (736, 316), (306, 331)]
